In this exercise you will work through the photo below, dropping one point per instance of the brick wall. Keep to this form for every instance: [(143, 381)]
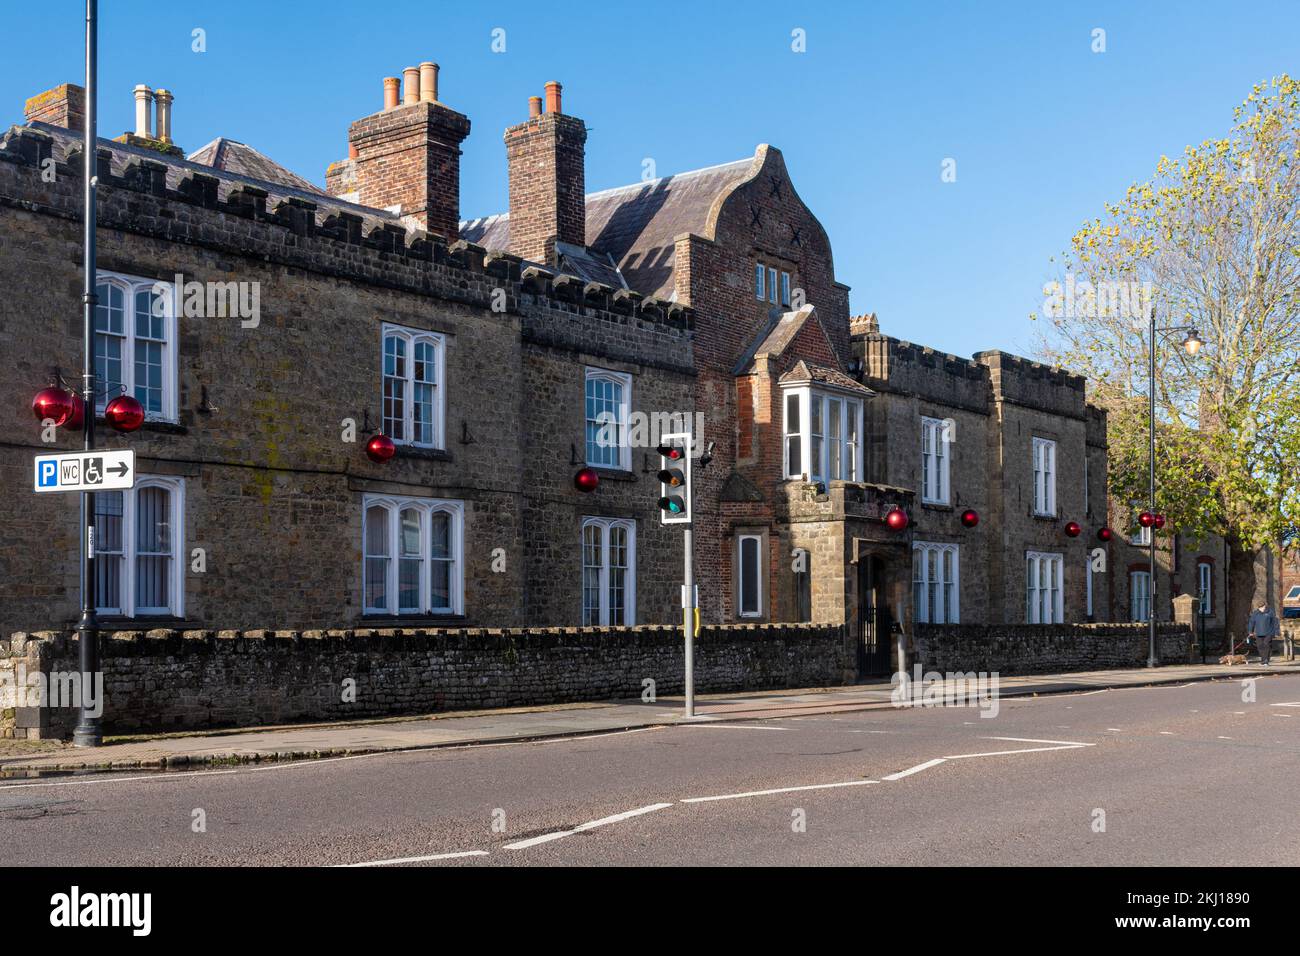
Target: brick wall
[(172, 680), (1045, 649)]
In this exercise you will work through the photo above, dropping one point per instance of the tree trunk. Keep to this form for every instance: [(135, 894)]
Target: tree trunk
[(1240, 585)]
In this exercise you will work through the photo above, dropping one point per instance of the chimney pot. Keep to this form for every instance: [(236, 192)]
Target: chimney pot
[(143, 110), (428, 82), (553, 97), (410, 85), (534, 107), (163, 100), (391, 83)]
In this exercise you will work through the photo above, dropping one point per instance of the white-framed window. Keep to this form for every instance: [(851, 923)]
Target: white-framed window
[(760, 284), (936, 596), (413, 555), (1043, 588), (771, 285), (785, 288), (1142, 536), (1139, 591), (608, 409), (749, 575), (135, 343), (935, 471), (822, 434), (1087, 577), (1205, 587), (608, 572), (413, 397), (1087, 507), (1044, 451), (139, 549)]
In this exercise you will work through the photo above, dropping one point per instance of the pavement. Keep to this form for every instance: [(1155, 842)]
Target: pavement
[(1195, 774), (470, 728)]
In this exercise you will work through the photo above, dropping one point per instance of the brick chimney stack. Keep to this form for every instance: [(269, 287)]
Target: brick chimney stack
[(65, 106), (546, 157), (406, 157)]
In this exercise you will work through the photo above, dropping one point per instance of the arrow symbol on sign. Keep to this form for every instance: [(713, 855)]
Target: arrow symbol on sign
[(121, 469)]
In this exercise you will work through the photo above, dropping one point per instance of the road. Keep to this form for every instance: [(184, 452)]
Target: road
[(1164, 775)]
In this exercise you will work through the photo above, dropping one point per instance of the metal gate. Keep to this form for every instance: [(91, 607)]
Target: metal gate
[(873, 621)]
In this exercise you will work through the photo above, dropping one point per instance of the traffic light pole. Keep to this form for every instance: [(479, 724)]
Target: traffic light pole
[(89, 732), (688, 620)]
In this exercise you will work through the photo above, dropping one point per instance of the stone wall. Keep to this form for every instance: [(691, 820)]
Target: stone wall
[(174, 680), (1045, 649)]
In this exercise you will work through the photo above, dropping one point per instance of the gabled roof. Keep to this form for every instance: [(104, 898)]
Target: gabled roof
[(236, 157), (636, 225)]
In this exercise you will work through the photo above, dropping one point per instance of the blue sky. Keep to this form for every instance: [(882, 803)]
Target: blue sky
[(1043, 130)]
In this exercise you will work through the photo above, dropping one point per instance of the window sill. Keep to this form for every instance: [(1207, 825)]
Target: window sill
[(937, 506), (411, 620), (420, 453), (613, 474), (158, 425), (1042, 516), (117, 622)]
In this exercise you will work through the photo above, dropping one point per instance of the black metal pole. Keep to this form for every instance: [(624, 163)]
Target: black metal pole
[(1151, 588), (88, 732)]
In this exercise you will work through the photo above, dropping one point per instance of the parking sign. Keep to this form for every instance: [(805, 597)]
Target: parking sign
[(85, 471)]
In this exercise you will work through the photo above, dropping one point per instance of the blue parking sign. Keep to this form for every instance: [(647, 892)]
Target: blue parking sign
[(47, 473)]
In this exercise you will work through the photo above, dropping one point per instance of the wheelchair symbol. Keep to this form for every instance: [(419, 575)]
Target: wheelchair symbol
[(94, 473)]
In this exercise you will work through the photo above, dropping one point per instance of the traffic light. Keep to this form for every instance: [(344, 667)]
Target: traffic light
[(675, 479)]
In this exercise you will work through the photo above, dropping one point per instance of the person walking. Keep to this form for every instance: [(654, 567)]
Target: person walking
[(1263, 628)]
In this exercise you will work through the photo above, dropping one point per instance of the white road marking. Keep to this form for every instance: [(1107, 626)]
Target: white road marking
[(1118, 730), (1225, 738), (911, 770), (1003, 753), (419, 859), (1167, 733), (1296, 704), (764, 793), (736, 726), (1091, 692), (582, 828), (1283, 715), (152, 776), (1031, 740)]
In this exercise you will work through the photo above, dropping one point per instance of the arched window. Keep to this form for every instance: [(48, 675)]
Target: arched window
[(413, 397), (139, 549), (412, 555), (135, 336)]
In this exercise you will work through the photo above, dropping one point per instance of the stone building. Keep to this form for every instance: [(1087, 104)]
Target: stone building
[(501, 354)]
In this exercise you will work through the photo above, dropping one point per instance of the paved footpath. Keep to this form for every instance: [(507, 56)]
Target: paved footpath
[(467, 728)]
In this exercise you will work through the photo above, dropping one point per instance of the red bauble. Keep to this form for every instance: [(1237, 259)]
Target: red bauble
[(896, 519), (1104, 534), (55, 404), (1159, 522), (1146, 519), (380, 448), (586, 480), (1072, 529), (970, 517), (124, 414), (78, 413)]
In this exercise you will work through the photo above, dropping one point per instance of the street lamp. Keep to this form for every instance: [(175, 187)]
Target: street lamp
[(1191, 344)]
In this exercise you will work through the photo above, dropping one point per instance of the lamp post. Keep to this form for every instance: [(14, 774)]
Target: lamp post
[(1192, 344), (88, 732)]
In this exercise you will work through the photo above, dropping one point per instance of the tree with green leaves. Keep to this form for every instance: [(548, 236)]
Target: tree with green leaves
[(1212, 240)]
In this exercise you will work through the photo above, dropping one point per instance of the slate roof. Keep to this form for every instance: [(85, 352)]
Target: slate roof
[(635, 225), (241, 159), (821, 375), (178, 169)]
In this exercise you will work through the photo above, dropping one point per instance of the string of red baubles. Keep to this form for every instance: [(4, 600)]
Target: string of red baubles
[(123, 414), (897, 520)]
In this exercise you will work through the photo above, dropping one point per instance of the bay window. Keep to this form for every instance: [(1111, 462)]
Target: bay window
[(822, 434)]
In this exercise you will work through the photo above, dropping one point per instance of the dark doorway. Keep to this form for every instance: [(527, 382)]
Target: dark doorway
[(873, 620)]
